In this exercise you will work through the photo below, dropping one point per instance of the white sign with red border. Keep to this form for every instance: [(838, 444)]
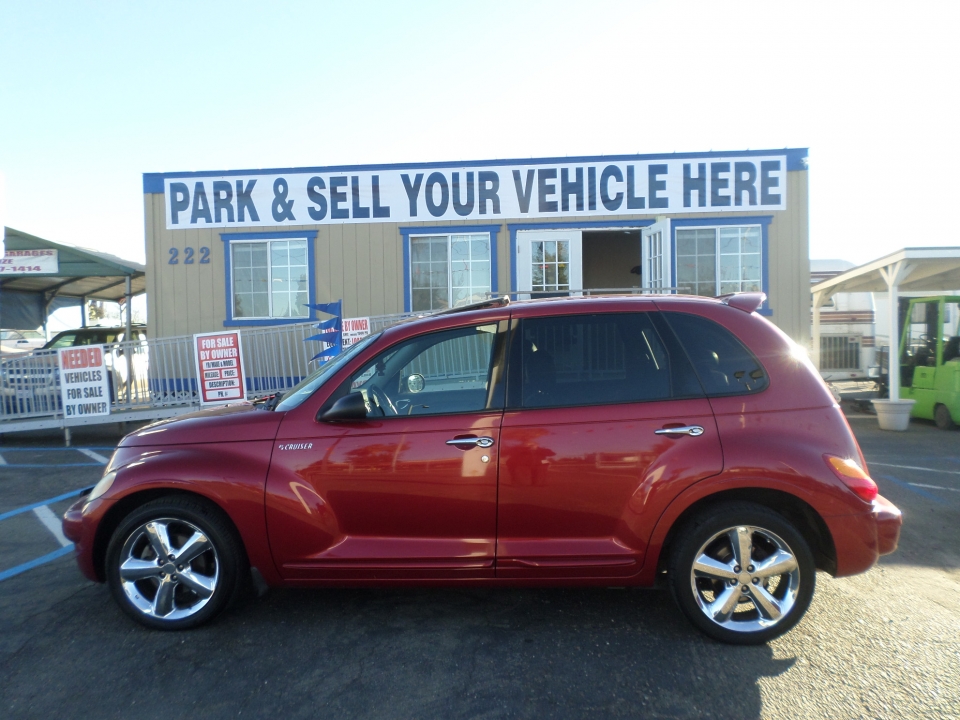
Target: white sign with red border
[(354, 329), (219, 367), (84, 387)]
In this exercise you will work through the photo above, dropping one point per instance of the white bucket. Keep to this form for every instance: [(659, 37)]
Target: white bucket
[(893, 414)]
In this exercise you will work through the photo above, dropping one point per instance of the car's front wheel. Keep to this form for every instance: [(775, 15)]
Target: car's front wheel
[(174, 563), (742, 573)]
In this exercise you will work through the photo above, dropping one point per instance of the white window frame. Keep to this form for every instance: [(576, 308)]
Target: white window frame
[(654, 265), (717, 229), (448, 236), (233, 279)]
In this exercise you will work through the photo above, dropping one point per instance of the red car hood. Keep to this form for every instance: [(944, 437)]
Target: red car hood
[(231, 423)]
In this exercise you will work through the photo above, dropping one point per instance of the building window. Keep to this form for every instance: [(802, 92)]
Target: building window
[(269, 278), (717, 261), (449, 270)]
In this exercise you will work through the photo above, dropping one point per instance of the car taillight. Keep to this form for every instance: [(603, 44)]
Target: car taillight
[(853, 476)]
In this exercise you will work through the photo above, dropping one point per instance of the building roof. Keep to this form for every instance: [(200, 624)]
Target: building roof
[(82, 273), (924, 269)]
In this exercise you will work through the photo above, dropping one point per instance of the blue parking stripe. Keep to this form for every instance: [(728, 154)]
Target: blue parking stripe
[(36, 563), (52, 465), (919, 491), (40, 448), (28, 508)]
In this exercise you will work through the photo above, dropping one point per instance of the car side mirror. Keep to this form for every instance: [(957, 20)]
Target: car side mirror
[(349, 407)]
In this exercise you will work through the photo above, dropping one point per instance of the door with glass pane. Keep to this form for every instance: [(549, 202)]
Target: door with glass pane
[(655, 256), (549, 262)]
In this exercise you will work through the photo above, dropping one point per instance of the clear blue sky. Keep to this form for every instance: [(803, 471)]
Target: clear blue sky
[(93, 94)]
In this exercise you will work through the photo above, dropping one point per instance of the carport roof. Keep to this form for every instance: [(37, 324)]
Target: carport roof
[(83, 273), (931, 269)]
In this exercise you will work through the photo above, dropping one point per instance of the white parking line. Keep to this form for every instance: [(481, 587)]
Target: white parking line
[(2, 461), (94, 455), (914, 467), (934, 487), (52, 523)]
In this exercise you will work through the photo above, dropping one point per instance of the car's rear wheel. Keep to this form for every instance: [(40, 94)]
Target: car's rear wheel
[(941, 415), (742, 573), (174, 563)]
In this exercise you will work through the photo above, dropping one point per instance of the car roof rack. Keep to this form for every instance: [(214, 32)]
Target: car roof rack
[(482, 305)]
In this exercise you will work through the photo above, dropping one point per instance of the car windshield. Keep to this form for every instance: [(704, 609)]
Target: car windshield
[(306, 387)]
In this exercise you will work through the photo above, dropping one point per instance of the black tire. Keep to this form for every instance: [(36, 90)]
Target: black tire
[(709, 532), (941, 415), (218, 570)]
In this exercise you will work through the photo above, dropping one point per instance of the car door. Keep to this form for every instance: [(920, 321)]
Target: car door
[(409, 491), (605, 424)]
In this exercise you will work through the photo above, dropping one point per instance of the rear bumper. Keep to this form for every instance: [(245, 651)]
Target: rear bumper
[(889, 520), (860, 540)]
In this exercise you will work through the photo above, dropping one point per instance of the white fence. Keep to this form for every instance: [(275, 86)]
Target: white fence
[(161, 372)]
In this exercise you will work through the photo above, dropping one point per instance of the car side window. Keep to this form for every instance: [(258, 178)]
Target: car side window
[(724, 364), (64, 341), (595, 360), (437, 373)]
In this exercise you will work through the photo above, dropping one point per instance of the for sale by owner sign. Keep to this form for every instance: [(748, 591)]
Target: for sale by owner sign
[(219, 367), (84, 388)]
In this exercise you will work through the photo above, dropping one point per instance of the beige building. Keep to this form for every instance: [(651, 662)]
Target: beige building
[(255, 247)]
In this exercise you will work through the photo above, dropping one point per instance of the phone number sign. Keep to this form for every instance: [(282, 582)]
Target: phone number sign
[(219, 367)]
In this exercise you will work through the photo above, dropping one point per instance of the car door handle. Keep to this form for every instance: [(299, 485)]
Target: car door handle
[(691, 430), (469, 442)]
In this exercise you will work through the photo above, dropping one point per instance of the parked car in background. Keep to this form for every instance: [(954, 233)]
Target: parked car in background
[(29, 383), (576, 441), (94, 336), (18, 341)]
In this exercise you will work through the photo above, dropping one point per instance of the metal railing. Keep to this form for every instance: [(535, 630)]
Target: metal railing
[(161, 372)]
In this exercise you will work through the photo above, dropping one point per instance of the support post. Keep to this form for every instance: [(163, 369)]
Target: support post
[(893, 359), (83, 311), (130, 349), (819, 298)]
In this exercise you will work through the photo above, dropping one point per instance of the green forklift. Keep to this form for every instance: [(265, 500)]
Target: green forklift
[(930, 358)]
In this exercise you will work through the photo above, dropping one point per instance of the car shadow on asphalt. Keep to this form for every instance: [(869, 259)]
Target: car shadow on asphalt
[(385, 653), (516, 652)]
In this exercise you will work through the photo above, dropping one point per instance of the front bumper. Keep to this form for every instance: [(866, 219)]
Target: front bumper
[(78, 528)]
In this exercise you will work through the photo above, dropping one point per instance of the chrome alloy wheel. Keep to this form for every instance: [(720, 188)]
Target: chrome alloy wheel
[(168, 569), (745, 579)]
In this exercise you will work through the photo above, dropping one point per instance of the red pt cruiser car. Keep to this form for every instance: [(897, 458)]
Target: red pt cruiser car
[(578, 441)]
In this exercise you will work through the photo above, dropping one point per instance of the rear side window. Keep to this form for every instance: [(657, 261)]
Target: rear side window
[(595, 360), (723, 363), (64, 341)]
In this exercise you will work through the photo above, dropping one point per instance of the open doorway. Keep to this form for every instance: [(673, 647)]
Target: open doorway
[(611, 260)]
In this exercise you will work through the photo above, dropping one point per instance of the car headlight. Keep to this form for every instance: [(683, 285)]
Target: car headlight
[(101, 487)]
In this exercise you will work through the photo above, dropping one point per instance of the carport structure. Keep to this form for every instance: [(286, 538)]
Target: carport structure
[(82, 275), (915, 269)]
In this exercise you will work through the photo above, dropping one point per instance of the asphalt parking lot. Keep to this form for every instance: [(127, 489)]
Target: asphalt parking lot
[(884, 644)]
